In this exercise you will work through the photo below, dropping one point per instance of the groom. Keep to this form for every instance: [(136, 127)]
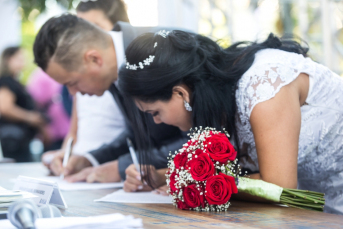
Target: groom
[(86, 59)]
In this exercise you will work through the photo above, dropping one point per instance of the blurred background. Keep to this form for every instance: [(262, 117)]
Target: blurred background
[(318, 22)]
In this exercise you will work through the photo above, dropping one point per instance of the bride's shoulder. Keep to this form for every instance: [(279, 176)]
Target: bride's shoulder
[(276, 56), (267, 62), (271, 70)]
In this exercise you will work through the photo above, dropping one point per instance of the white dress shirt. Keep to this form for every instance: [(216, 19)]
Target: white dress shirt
[(101, 120)]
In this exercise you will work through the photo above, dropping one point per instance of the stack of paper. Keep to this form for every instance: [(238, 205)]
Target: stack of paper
[(100, 222), (7, 197)]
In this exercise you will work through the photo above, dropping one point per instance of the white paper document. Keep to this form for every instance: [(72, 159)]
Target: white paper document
[(7, 197), (121, 196), (100, 222), (66, 186)]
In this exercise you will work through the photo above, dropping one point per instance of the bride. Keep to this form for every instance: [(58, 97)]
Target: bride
[(284, 112)]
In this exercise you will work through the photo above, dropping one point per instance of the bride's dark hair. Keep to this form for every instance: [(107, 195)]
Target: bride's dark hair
[(210, 71)]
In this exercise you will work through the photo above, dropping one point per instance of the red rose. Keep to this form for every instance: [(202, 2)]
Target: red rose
[(219, 189), (220, 149), (172, 182), (201, 166), (182, 205), (192, 197), (180, 160)]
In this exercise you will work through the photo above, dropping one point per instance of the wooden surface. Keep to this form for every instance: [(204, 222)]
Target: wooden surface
[(240, 214)]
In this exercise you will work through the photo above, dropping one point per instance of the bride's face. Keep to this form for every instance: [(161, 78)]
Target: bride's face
[(170, 112)]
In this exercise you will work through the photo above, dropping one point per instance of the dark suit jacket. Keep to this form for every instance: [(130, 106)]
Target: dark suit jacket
[(164, 138)]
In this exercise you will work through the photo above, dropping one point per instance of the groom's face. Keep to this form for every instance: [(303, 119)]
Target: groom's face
[(85, 79)]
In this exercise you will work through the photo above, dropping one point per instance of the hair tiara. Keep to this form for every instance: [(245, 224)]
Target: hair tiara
[(150, 59)]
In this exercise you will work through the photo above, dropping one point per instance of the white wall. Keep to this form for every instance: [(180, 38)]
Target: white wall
[(179, 13), (10, 24)]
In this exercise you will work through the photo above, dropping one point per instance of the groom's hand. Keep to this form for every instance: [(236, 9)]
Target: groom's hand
[(75, 164), (105, 173)]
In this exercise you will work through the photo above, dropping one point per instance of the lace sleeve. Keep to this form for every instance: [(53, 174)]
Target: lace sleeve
[(261, 83)]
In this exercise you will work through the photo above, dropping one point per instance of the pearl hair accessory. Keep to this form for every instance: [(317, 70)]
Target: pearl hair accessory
[(163, 33), (148, 60)]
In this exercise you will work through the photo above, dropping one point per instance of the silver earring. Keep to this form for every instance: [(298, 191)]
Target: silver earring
[(187, 106)]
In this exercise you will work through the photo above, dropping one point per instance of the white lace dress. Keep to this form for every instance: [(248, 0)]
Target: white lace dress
[(320, 155)]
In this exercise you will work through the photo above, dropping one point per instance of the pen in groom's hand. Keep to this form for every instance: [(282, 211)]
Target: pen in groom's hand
[(67, 153)]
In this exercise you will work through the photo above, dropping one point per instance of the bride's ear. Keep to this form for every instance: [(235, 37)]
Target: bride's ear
[(183, 92)]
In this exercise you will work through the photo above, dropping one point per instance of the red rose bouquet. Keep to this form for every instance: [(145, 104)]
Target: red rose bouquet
[(204, 174)]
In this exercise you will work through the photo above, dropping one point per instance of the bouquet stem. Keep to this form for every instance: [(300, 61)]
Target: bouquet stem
[(291, 197)]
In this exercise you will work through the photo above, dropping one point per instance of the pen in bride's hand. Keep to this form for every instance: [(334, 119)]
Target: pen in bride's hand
[(67, 153), (133, 154)]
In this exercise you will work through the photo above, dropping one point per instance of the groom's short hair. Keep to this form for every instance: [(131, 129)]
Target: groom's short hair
[(65, 38)]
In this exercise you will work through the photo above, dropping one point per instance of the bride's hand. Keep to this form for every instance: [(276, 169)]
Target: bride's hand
[(162, 190), (134, 181)]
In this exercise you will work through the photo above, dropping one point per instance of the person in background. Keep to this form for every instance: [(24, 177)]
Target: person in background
[(94, 120), (47, 95), (19, 121), (103, 13)]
